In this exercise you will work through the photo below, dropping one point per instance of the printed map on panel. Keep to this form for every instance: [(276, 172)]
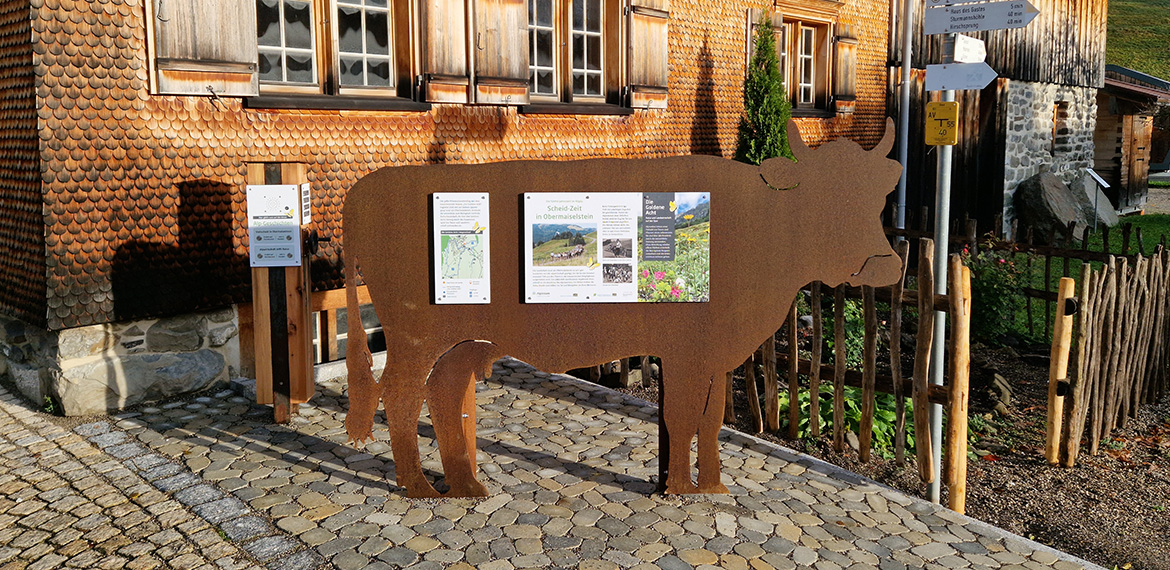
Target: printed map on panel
[(462, 256)]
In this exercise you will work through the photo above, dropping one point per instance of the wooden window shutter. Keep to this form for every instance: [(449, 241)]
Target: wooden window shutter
[(648, 62), (204, 47), (777, 20), (845, 76), (501, 52), (445, 69)]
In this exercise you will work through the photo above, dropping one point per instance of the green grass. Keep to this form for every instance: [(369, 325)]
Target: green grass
[(1153, 227), (540, 254), (1159, 184), (1139, 31)]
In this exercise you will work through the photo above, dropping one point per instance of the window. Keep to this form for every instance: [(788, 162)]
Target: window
[(566, 48), (297, 51), (816, 55)]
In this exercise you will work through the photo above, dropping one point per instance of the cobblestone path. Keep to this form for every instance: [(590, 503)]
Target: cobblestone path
[(569, 466)]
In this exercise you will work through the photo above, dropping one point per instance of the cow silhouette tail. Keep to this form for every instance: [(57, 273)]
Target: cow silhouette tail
[(364, 392)]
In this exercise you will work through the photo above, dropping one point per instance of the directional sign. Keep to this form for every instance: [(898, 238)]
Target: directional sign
[(979, 17), (968, 49), (958, 76), (933, 3), (942, 123)]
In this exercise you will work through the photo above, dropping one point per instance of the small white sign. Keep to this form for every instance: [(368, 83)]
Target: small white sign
[(969, 49), (306, 204), (274, 225), (958, 76), (979, 17), (462, 248)]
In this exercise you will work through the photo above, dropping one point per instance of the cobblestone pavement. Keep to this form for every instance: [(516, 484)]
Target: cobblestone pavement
[(569, 466)]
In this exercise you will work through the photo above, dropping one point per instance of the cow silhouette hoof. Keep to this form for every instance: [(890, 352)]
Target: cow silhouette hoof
[(716, 489), (422, 490), (472, 489), (687, 488)]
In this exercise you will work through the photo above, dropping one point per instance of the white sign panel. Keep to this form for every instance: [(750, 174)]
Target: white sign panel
[(617, 247), (274, 225), (933, 3), (958, 76), (306, 204), (979, 17), (969, 49), (462, 249)]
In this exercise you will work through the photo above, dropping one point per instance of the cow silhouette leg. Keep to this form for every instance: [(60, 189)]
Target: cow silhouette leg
[(678, 412), (710, 423), (403, 400), (451, 399)]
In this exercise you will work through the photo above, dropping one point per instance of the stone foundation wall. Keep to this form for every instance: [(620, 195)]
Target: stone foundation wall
[(98, 369), (1049, 129)]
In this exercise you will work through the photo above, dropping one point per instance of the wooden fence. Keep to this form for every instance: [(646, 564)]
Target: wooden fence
[(1122, 330), (766, 414)]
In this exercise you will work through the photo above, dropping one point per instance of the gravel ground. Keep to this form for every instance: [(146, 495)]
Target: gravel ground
[(1110, 509)]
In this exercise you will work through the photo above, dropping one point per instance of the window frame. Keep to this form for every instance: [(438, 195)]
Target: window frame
[(821, 16), (327, 55), (563, 70), (391, 57)]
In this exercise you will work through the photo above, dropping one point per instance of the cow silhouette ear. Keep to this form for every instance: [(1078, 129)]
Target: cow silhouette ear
[(883, 146), (800, 151)]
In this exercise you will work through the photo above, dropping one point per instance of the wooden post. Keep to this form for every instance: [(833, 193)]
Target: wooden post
[(281, 316), (869, 373), (925, 338), (793, 379), (896, 357), (327, 334), (749, 378), (1074, 415), (814, 377), (960, 294), (728, 403), (839, 366), (771, 384), (1062, 330), (624, 372)]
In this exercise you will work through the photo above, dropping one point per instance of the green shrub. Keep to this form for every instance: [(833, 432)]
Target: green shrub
[(766, 109), (996, 294), (884, 417), (854, 336)]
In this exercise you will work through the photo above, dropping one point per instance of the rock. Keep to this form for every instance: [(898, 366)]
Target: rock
[(132, 331), (83, 341), (101, 387), (653, 371), (805, 322), (1003, 390), (220, 336), (245, 388), (179, 334), (1097, 204), (222, 315), (851, 439), (1001, 409), (1040, 360), (28, 382), (1045, 204)]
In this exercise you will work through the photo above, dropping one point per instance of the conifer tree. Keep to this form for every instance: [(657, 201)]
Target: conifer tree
[(766, 109)]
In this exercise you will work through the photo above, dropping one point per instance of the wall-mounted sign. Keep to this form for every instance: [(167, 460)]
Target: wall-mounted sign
[(461, 247), (617, 247), (942, 123), (274, 225)]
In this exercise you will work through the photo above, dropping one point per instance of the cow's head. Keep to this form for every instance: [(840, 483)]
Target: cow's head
[(839, 191)]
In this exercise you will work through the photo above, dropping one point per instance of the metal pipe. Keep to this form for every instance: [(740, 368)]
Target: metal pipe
[(904, 113)]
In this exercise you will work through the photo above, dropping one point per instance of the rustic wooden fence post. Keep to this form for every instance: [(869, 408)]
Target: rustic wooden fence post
[(1058, 369), (922, 441), (959, 286), (896, 356)]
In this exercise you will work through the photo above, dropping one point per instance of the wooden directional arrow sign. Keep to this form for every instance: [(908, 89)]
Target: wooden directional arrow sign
[(979, 17), (958, 76)]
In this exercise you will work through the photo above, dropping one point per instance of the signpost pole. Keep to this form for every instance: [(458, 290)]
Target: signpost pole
[(904, 112), (942, 236)]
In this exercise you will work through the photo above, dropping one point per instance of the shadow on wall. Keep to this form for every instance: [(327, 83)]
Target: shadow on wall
[(705, 128), (197, 269)]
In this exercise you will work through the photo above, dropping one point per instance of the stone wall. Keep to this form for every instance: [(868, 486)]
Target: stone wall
[(97, 369), (1049, 129)]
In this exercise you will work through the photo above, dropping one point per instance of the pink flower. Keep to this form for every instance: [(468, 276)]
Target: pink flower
[(676, 292), (658, 275), (645, 273)]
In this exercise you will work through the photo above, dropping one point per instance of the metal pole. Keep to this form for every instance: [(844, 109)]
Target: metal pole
[(904, 113), (942, 236)]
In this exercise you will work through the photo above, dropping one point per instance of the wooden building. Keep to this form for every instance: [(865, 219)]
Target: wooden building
[(1037, 116), (1124, 137), (127, 128)]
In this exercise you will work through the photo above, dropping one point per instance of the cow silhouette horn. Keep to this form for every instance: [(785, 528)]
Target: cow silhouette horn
[(800, 151), (883, 146)]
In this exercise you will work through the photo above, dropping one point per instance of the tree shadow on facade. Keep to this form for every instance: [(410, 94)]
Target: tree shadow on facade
[(705, 128)]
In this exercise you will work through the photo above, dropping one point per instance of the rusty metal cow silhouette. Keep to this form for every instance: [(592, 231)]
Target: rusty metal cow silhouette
[(782, 225)]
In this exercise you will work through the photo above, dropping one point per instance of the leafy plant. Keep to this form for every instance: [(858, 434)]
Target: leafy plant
[(854, 336), (997, 294), (48, 406), (766, 109), (884, 417)]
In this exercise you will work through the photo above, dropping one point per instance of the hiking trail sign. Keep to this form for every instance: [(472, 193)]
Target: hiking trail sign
[(979, 17)]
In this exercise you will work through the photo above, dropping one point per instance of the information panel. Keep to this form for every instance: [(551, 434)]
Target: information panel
[(617, 247), (274, 225), (462, 248)]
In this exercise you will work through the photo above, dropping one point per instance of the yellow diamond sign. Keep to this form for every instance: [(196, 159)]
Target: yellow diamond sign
[(942, 123)]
